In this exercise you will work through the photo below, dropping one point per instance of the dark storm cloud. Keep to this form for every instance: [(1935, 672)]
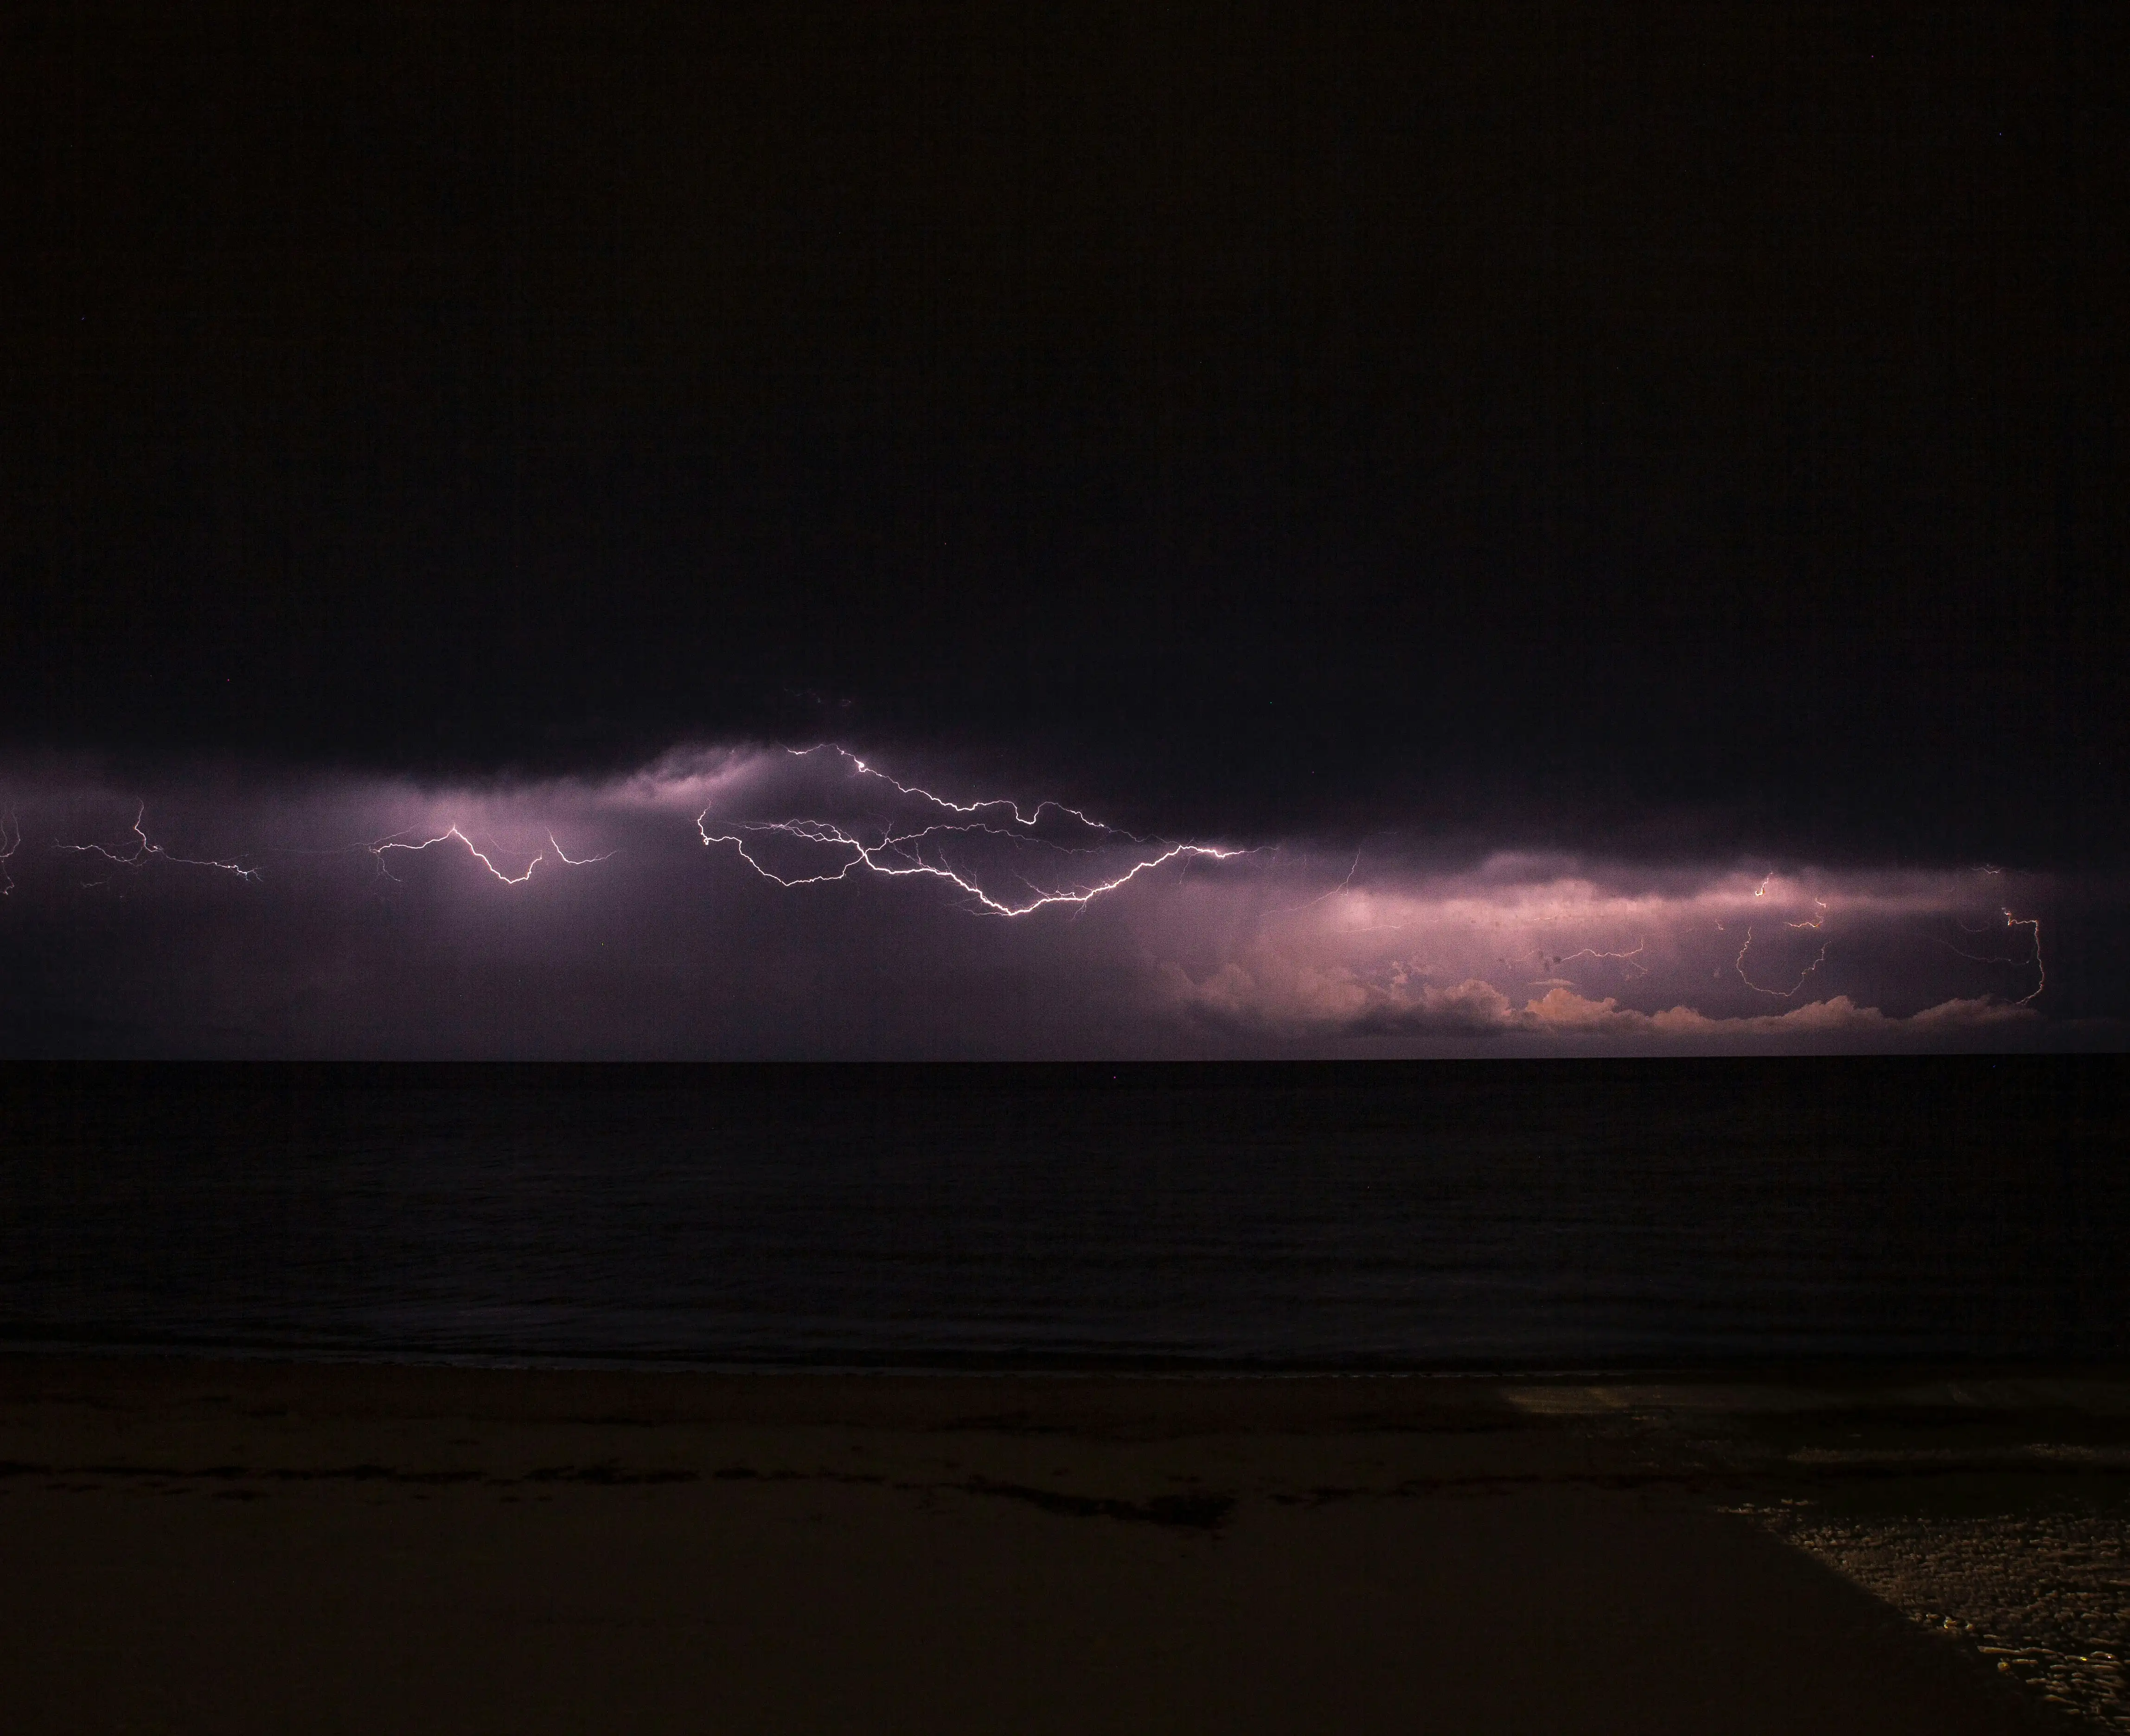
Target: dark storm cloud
[(1560, 424), (618, 918)]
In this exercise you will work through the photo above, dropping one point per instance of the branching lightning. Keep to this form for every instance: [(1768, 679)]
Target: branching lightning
[(1816, 922), (924, 850), (568, 860), (396, 841), (1353, 868), (2041, 971), (144, 850), (899, 855), (1738, 963), (1631, 959), (859, 767), (822, 815), (2033, 924)]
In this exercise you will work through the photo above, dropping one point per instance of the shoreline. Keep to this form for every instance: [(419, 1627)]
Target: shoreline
[(268, 1544), (1863, 1368)]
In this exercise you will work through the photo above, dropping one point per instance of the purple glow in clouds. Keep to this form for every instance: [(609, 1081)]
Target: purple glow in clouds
[(768, 902), (1086, 859)]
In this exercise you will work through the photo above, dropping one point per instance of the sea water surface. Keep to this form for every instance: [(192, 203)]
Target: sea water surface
[(1232, 1217)]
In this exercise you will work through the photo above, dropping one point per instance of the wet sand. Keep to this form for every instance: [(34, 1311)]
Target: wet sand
[(236, 1547)]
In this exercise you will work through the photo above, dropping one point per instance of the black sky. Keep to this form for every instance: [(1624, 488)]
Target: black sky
[(1558, 420)]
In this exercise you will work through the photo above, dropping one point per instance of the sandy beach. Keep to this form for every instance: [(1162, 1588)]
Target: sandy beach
[(240, 1546)]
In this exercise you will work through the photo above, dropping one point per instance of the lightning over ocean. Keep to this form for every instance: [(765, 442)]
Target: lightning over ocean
[(811, 899), (1083, 865)]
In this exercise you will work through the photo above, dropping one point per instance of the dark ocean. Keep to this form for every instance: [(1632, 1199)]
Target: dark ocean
[(1431, 1215)]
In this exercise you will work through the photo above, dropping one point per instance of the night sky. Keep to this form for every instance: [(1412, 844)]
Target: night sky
[(1642, 449)]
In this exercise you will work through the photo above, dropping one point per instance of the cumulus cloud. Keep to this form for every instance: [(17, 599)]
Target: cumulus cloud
[(1336, 1003), (1644, 956), (754, 901), (1563, 1010), (1335, 1000)]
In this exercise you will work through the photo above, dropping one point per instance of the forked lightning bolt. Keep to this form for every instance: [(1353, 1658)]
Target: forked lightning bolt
[(923, 852), (1739, 965), (1001, 858), (898, 855), (2033, 924), (1353, 868), (860, 768), (1631, 960), (1819, 921), (396, 841), (2041, 969), (144, 850)]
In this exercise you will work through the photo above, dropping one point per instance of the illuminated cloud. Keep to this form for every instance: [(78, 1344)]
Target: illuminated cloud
[(1003, 861), (764, 901), (1652, 957)]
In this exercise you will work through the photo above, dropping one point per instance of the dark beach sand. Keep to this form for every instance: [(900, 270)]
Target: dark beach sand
[(234, 1547)]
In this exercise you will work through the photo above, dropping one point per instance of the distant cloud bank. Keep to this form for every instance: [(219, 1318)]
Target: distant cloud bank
[(764, 902)]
